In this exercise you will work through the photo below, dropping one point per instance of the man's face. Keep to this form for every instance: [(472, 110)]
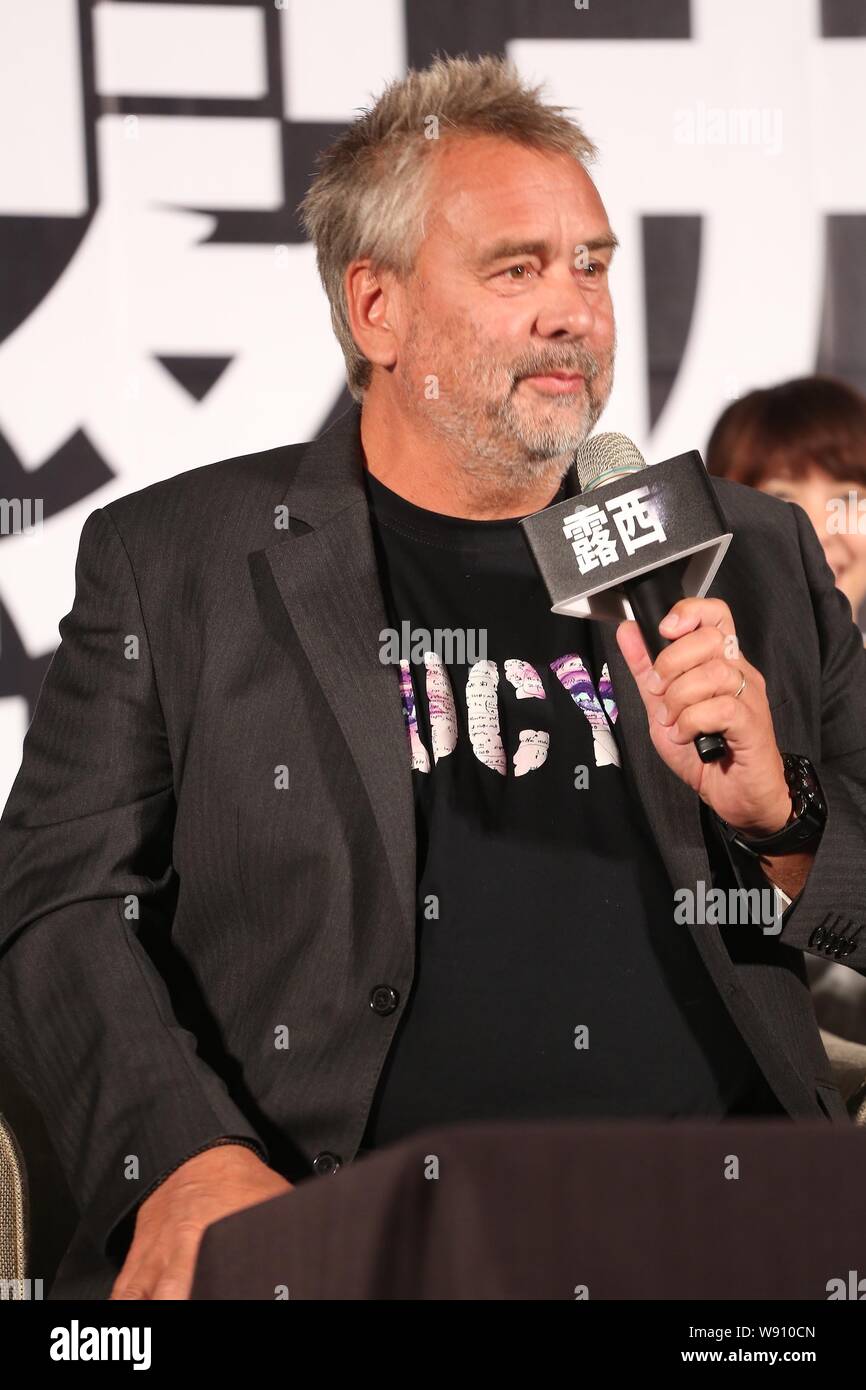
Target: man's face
[(510, 283)]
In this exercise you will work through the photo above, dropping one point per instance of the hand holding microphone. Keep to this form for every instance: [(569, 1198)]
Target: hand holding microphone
[(643, 543), (696, 688), (640, 539), (599, 461)]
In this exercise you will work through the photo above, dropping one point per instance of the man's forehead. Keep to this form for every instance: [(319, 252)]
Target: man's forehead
[(489, 185)]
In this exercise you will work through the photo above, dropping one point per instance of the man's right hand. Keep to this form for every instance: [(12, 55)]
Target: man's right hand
[(170, 1222)]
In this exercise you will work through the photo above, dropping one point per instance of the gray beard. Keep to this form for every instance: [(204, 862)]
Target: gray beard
[(512, 453)]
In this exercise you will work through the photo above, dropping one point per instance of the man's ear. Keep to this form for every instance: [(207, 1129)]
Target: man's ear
[(367, 305)]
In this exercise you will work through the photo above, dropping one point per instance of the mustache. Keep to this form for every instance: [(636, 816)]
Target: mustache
[(587, 364)]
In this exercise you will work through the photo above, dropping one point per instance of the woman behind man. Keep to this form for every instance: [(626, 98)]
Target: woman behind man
[(805, 441)]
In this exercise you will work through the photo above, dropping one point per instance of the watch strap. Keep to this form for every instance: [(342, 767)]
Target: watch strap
[(805, 823)]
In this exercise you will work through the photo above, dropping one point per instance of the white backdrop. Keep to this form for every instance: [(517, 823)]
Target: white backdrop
[(160, 308)]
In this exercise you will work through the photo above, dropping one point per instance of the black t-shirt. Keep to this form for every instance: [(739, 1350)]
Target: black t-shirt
[(551, 979)]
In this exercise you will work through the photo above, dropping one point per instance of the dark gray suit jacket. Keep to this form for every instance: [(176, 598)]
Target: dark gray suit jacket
[(168, 907)]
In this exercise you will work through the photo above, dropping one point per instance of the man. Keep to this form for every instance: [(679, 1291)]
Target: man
[(275, 895)]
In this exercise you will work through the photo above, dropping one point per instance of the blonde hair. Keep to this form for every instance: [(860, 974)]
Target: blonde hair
[(368, 198)]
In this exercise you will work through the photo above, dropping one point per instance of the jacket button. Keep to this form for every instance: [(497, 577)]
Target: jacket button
[(326, 1163), (384, 999)]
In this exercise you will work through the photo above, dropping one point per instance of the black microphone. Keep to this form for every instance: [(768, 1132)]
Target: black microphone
[(649, 538)]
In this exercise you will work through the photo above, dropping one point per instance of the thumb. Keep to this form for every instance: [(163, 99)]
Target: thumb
[(630, 641)]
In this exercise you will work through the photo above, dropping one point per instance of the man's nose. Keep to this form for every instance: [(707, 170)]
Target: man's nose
[(567, 308)]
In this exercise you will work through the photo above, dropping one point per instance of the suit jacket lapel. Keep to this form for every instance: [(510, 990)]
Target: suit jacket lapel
[(329, 582), (672, 808)]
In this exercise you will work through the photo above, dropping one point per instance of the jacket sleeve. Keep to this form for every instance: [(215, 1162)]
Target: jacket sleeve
[(86, 879), (828, 916)]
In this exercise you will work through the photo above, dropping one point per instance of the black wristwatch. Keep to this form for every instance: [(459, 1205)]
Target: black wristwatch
[(806, 821)]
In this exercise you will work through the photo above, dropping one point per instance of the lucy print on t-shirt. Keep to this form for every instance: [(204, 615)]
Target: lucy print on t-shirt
[(482, 712)]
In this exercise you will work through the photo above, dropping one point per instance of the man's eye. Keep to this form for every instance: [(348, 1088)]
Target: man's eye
[(520, 266)]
